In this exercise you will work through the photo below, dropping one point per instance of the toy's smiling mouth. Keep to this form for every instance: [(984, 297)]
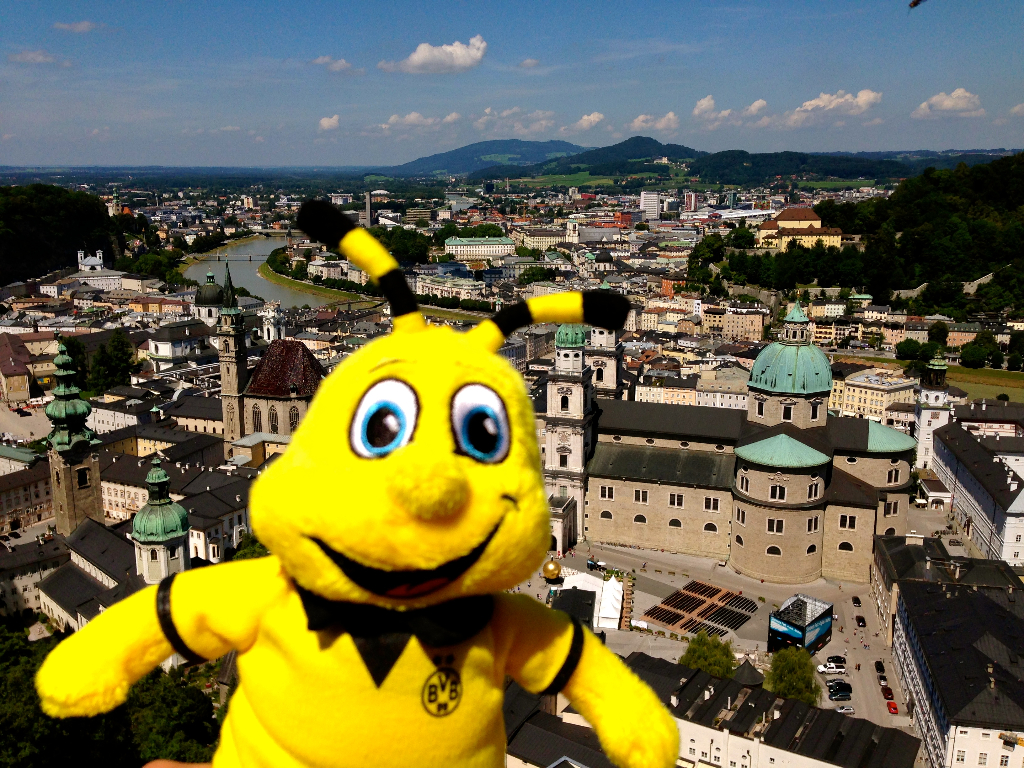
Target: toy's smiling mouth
[(411, 583)]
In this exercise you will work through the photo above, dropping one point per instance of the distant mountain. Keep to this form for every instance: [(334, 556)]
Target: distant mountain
[(618, 158), (484, 154), (735, 166)]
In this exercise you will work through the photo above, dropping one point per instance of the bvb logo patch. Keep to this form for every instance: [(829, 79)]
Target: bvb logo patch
[(443, 690)]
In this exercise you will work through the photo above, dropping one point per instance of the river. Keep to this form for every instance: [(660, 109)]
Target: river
[(243, 271)]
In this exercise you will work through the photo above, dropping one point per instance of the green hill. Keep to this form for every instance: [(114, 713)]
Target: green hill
[(484, 154), (738, 167)]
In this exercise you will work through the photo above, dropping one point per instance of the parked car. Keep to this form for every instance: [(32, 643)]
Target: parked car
[(887, 693), (856, 602), (845, 710), (836, 660), (893, 710), (839, 696), (832, 669), (883, 681), (860, 621), (879, 667), (594, 565)]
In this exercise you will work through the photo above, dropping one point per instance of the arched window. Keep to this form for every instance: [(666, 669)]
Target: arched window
[(739, 539), (774, 551), (845, 546), (674, 523), (257, 418), (273, 420), (565, 402), (890, 531), (293, 418), (606, 515), (710, 528), (153, 555), (640, 519), (812, 549), (599, 375)]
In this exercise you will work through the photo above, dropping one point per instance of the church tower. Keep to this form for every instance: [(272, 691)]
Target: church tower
[(604, 354), (273, 322), (160, 530), (74, 466), (932, 409), (568, 426), (234, 372)]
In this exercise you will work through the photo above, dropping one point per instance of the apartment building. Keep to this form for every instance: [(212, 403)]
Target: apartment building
[(477, 248), (869, 393)]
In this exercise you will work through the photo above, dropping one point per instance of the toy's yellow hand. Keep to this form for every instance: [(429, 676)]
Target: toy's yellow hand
[(635, 729)]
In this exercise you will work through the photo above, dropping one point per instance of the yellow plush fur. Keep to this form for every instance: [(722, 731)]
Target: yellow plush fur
[(305, 697)]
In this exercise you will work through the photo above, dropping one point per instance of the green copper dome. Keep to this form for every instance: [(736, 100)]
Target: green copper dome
[(781, 451), (211, 294), (571, 335), (883, 439), (792, 366), (161, 519)]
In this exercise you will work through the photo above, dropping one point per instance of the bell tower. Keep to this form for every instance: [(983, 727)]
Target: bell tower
[(932, 408), (234, 372), (160, 530), (74, 466), (604, 354)]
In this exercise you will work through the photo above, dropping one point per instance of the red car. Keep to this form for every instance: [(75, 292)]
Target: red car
[(887, 693), (892, 708)]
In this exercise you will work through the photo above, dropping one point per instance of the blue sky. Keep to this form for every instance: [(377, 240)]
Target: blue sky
[(176, 82)]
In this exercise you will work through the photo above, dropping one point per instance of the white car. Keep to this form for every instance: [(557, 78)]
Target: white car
[(845, 710), (831, 669)]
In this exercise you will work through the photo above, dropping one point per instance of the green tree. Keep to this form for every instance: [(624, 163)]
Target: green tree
[(421, 223), (927, 351), (249, 547), (973, 356), (709, 654), (642, 227), (1016, 343), (536, 274), (1003, 396), (1014, 361), (996, 358), (99, 369), (792, 676), (908, 349), (986, 340), (741, 237), (122, 359), (938, 332), (171, 718), (79, 360)]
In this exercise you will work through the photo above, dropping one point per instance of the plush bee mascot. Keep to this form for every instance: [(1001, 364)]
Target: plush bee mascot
[(379, 631)]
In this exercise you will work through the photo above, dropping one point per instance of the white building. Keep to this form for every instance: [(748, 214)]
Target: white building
[(932, 410), (449, 287), (650, 204), (475, 248)]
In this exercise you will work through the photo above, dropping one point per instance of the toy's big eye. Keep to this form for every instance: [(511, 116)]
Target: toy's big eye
[(385, 419), (480, 424)]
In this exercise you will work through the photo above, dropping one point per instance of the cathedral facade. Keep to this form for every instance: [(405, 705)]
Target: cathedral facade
[(784, 491)]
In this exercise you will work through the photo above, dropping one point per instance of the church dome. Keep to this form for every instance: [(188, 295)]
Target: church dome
[(792, 366), (161, 519), (571, 335), (211, 294)]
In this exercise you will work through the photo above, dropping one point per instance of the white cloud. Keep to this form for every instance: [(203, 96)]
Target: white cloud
[(585, 123), (876, 121), (451, 117), (528, 63), (413, 118), (79, 27), (704, 106), (329, 123), (647, 122), (826, 105), (229, 128), (755, 108), (32, 57), (258, 140), (335, 65), (704, 110), (960, 103), (513, 120), (430, 59), (510, 112), (1018, 110)]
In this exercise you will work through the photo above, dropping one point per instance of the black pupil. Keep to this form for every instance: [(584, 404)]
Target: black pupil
[(383, 427), (482, 432)]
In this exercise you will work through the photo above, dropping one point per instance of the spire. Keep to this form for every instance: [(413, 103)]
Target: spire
[(67, 411), (229, 288)]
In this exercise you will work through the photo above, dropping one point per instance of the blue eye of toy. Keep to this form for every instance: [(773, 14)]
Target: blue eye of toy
[(384, 420), (480, 424)]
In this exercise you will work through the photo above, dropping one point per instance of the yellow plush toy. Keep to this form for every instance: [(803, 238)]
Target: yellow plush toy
[(379, 632)]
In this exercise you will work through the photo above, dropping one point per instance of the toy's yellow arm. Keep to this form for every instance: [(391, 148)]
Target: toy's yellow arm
[(549, 653), (202, 614)]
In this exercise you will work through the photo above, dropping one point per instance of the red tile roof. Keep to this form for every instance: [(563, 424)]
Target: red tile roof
[(286, 363)]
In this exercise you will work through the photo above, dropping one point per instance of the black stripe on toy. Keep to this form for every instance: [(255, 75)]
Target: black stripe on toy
[(571, 661), (513, 317), (607, 310), (398, 293), (163, 614)]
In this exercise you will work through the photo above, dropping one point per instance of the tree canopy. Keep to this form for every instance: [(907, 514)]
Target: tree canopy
[(709, 654), (792, 676)]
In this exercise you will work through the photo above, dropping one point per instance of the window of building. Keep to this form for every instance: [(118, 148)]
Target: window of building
[(814, 411), (1018, 538), (744, 483), (640, 519), (775, 525), (675, 500), (760, 407), (606, 515), (563, 491), (812, 549), (565, 402), (83, 478), (257, 418), (1004, 760), (563, 460), (607, 492), (741, 516), (711, 528), (273, 420), (639, 496), (961, 756), (891, 509), (153, 555), (293, 418), (599, 374), (173, 553), (778, 492), (739, 539), (710, 504), (849, 522), (845, 546), (813, 490), (812, 524), (893, 477), (983, 758), (787, 413), (675, 523), (773, 551)]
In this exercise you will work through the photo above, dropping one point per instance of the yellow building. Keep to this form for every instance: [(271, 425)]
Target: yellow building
[(800, 224), (869, 393)]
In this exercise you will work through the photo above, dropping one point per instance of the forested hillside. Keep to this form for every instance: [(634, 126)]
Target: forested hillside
[(738, 167)]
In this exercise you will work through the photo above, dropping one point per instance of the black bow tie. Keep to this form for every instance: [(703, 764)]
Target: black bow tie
[(380, 634)]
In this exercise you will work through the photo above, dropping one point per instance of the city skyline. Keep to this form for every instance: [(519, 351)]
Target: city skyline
[(258, 85)]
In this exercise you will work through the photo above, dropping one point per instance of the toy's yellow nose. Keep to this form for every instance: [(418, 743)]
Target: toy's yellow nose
[(427, 488)]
